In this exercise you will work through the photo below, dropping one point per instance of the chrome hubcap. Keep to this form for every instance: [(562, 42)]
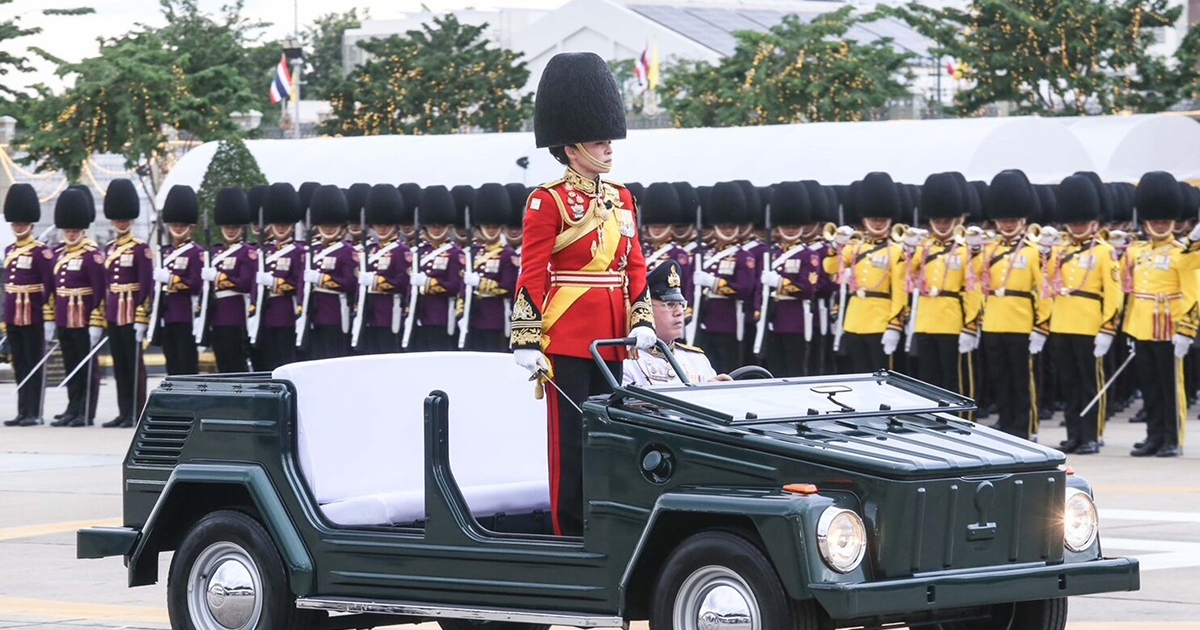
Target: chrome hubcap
[(224, 589), (716, 598)]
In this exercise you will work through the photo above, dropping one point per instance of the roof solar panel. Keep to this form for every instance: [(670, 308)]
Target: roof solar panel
[(728, 21)]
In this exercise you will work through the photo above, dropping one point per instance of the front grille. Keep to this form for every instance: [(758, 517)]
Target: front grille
[(160, 441)]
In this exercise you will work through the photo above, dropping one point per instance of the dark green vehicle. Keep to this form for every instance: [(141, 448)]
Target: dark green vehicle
[(383, 490)]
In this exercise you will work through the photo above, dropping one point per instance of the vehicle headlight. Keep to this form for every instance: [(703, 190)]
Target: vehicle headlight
[(842, 539), (1080, 522)]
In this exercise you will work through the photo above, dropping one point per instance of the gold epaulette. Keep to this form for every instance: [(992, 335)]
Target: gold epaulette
[(614, 183), (551, 184), (684, 346)]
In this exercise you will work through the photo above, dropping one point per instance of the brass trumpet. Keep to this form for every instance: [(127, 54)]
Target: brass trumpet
[(899, 231), (829, 232)]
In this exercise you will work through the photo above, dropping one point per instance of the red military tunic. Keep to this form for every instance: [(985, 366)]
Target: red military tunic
[(583, 276)]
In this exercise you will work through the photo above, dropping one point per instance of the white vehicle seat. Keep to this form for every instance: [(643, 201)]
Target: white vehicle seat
[(361, 434)]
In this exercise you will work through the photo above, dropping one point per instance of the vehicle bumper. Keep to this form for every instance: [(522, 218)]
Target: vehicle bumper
[(102, 542), (988, 585)]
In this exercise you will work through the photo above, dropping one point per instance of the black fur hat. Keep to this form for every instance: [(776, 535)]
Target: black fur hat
[(1103, 195), (231, 207), (181, 206), (1012, 196), (71, 210), (791, 205), (328, 206), (689, 202), (904, 213), (89, 199), (1123, 210), (1047, 198), (577, 100), (412, 197), (464, 197), (518, 196), (282, 204), (257, 197), (636, 189), (306, 191), (1158, 197), (1076, 200), (766, 196), (754, 211), (983, 192), (1191, 201), (356, 200), (660, 205), (491, 206), (121, 202), (831, 205), (878, 198), (436, 206), (21, 205), (727, 205), (818, 201), (703, 196), (384, 205), (942, 197), (914, 192)]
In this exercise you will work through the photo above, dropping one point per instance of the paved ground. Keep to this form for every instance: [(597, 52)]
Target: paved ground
[(53, 481)]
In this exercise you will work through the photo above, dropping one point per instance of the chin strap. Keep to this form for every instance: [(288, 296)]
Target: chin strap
[(600, 166)]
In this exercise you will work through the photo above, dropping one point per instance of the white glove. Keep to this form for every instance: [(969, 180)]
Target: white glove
[(966, 342), (1119, 239), (265, 278), (162, 275), (94, 333), (1048, 238), (891, 340), (843, 235), (704, 279), (312, 276), (1037, 341), (471, 278), (209, 274), (772, 279), (139, 331), (1195, 233), (48, 329), (419, 280), (532, 360), (913, 237), (366, 279), (645, 337), (1183, 344), (975, 236), (1103, 343), (975, 346)]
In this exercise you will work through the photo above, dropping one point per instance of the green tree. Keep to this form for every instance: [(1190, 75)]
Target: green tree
[(444, 78), (1061, 57), (323, 49), (795, 72), (231, 165)]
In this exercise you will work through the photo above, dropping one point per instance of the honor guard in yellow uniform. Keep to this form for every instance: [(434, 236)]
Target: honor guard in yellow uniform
[(1015, 317), (1160, 276), (1083, 284), (946, 310), (870, 270)]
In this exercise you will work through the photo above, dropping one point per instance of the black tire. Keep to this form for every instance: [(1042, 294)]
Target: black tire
[(1045, 614), (463, 624), (231, 531), (736, 558)]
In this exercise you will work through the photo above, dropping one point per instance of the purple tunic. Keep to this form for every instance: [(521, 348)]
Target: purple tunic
[(390, 261), (234, 288), (79, 286), (445, 271), (734, 268), (804, 279), (29, 280), (498, 281), (129, 271), (185, 284), (338, 264), (286, 262)]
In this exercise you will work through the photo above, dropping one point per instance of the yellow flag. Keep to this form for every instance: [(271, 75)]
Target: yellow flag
[(652, 72)]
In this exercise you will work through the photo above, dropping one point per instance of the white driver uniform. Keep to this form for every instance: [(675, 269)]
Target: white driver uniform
[(652, 367)]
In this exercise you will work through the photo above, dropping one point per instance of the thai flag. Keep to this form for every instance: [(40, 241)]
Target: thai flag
[(281, 86), (641, 68)]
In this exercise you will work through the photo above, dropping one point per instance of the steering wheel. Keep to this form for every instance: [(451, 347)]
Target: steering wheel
[(750, 371)]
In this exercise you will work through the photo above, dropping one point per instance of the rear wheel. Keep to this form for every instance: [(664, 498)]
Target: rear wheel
[(1046, 614), (463, 624), (228, 575)]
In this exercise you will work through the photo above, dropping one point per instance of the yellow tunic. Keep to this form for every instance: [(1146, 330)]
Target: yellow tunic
[(876, 285), (1165, 289), (1085, 288), (1010, 273), (946, 306)]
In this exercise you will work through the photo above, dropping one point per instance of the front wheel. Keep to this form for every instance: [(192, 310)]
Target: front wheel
[(463, 624), (228, 575), (1046, 614)]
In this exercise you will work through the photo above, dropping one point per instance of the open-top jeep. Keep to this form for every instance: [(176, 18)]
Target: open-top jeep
[(406, 488)]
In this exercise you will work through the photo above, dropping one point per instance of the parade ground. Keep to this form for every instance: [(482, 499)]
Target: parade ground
[(56, 480)]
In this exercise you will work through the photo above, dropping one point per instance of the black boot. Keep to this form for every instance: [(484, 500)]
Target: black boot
[(29, 421), (1171, 450), (115, 422), (1087, 448), (63, 420), (78, 421), (1146, 450), (1068, 446), (15, 422), (1140, 416)]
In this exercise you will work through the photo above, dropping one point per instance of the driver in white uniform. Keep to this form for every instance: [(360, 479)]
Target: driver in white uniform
[(651, 367)]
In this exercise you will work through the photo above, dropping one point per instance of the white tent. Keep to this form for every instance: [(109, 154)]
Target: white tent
[(1119, 148)]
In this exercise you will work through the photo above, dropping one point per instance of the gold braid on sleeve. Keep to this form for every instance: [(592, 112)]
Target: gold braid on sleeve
[(640, 312), (526, 323)]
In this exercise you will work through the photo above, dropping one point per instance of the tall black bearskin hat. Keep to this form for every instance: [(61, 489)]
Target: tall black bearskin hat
[(328, 206), (660, 205), (384, 205), (878, 198), (1191, 202), (71, 210), (1158, 197), (21, 205), (1076, 200), (1012, 196), (121, 202), (850, 201), (637, 190), (689, 202), (914, 193), (766, 197), (831, 205), (1103, 195), (791, 205), (904, 213), (491, 206), (181, 206), (727, 205), (942, 197), (464, 197), (231, 207), (577, 100), (356, 200), (818, 201), (437, 206), (974, 202), (753, 203), (983, 192), (518, 196), (257, 197), (282, 204), (306, 191), (1123, 194), (89, 199), (1047, 201)]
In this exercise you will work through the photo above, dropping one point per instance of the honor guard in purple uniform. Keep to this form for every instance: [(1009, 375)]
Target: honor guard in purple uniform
[(728, 277), (230, 273), (683, 234), (332, 275), (386, 279), (178, 277), (129, 272), (411, 193), (493, 277), (437, 273), (78, 306), (661, 210), (356, 199), (817, 285), (788, 283), (28, 283), (753, 237), (256, 197), (464, 198), (283, 261)]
